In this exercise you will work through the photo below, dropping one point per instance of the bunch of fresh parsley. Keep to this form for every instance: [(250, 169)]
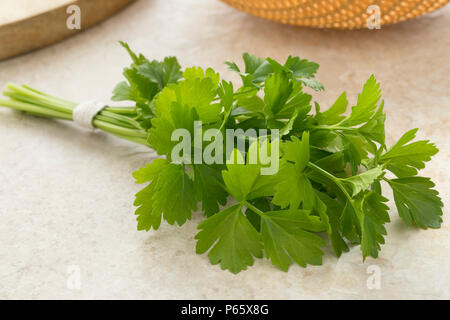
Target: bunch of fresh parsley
[(331, 164)]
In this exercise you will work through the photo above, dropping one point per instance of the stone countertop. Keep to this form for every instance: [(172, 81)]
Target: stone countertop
[(66, 195)]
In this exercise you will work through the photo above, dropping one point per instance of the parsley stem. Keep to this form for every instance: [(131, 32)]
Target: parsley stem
[(121, 118), (246, 91), (332, 128), (22, 93), (242, 92), (114, 120), (118, 129), (67, 102), (132, 139), (386, 179), (35, 110), (252, 207), (39, 103), (332, 178), (122, 110)]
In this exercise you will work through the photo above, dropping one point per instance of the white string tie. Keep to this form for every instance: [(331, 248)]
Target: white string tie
[(85, 112)]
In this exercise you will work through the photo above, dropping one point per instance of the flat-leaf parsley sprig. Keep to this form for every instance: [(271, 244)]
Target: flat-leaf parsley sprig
[(332, 162)]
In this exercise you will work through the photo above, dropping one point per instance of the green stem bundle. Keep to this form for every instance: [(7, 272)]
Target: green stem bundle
[(119, 121)]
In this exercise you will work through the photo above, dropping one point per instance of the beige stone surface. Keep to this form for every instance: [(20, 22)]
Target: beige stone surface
[(66, 194)]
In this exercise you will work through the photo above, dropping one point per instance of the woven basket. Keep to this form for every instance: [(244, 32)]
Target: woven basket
[(335, 14)]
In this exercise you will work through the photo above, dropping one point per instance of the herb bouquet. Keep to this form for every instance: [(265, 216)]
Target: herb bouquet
[(329, 164)]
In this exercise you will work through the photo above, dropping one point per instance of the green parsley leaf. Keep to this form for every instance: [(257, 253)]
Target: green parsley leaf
[(257, 67), (172, 115), (142, 88), (301, 67), (208, 184), (301, 70), (297, 102), (233, 239), (355, 149), (226, 95), (363, 221), (178, 106), (137, 60), (198, 73), (374, 128), (334, 114), (161, 73), (367, 103), (294, 188), (364, 180), (254, 185), (123, 92), (287, 236), (277, 91), (405, 159), (417, 202), (334, 211), (170, 193), (372, 217), (312, 83), (350, 225)]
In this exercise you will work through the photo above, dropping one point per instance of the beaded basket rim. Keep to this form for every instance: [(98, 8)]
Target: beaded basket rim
[(341, 14)]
